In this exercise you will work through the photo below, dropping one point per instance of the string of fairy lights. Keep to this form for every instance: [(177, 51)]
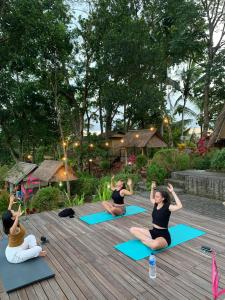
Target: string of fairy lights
[(76, 144)]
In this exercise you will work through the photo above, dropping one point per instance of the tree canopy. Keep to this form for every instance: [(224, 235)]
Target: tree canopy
[(112, 66)]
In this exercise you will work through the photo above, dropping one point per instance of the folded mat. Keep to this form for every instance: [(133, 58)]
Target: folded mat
[(103, 216), (15, 276), (179, 234)]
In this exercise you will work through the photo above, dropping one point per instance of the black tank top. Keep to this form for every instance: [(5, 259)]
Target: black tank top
[(161, 216), (117, 198)]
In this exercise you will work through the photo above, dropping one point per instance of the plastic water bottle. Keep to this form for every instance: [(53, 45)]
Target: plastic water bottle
[(152, 266)]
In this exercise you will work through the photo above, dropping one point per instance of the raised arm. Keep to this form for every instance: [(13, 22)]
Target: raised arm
[(152, 193), (130, 186), (11, 201), (178, 205), (112, 183), (16, 221)]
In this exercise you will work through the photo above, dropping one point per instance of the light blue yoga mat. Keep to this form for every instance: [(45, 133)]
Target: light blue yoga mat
[(179, 234), (103, 216)]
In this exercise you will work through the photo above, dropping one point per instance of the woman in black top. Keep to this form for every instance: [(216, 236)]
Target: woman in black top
[(158, 237), (118, 207)]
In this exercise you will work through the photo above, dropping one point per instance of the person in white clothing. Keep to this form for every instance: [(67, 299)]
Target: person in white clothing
[(20, 248)]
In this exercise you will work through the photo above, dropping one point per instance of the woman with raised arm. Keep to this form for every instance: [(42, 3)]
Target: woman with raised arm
[(119, 190), (20, 248), (158, 237)]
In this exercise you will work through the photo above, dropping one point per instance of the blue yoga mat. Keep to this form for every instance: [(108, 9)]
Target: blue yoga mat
[(103, 216), (179, 234)]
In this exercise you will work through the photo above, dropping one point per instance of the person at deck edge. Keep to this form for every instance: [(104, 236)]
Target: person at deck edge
[(159, 236), (20, 248), (119, 191)]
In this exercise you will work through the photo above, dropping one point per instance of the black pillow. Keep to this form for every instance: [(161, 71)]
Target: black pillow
[(67, 212)]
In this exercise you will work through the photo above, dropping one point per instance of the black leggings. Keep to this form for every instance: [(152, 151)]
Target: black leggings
[(164, 233)]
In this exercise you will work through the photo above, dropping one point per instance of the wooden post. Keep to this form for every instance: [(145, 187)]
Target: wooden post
[(126, 156)]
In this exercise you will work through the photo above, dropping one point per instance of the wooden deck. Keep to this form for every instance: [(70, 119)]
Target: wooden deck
[(87, 266)]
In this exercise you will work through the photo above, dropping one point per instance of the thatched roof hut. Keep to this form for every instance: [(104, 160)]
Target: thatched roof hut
[(144, 138), (19, 172), (53, 171), (140, 141), (221, 135), (113, 142)]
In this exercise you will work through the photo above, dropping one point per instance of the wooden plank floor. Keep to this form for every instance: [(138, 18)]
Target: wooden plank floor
[(87, 266)]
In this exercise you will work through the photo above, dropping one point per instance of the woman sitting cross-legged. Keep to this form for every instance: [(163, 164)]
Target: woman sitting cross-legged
[(158, 237), (118, 206), (20, 248)]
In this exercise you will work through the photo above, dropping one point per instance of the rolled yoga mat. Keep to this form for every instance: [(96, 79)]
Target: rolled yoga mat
[(181, 233), (103, 216), (15, 276)]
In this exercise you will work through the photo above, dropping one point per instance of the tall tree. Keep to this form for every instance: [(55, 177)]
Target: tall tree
[(34, 32), (215, 40)]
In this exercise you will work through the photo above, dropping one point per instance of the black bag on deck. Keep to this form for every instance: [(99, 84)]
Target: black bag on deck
[(67, 212)]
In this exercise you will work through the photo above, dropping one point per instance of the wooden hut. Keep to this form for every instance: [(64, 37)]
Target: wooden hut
[(139, 141), (18, 174), (220, 139), (113, 143), (51, 171)]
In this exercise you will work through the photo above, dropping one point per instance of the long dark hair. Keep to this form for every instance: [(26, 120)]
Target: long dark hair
[(165, 195), (124, 185), (7, 221)]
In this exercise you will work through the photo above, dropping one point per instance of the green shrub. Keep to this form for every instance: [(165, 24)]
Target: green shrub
[(172, 160), (47, 198), (200, 162), (129, 169), (4, 201), (124, 176), (103, 192), (183, 162), (155, 173), (141, 161), (105, 165), (191, 145), (3, 172), (218, 160), (85, 184), (75, 201)]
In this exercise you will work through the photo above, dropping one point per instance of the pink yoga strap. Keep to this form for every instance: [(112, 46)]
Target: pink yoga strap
[(215, 279)]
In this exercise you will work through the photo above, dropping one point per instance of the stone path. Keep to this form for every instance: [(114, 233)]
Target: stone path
[(203, 206)]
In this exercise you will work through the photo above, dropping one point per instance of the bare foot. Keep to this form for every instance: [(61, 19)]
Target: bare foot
[(43, 253)]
